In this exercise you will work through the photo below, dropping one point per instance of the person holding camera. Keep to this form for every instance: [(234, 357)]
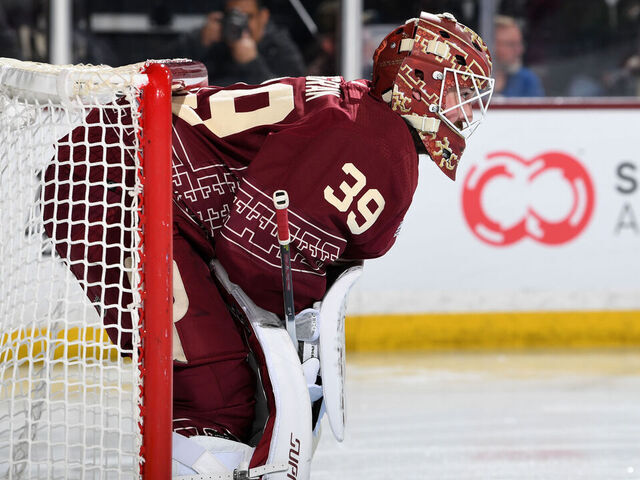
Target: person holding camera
[(241, 44)]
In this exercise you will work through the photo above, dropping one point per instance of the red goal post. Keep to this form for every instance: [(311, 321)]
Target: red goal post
[(78, 400)]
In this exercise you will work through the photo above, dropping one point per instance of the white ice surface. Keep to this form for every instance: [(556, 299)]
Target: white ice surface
[(492, 416)]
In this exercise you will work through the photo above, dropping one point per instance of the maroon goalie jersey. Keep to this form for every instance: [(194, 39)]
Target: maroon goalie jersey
[(347, 161)]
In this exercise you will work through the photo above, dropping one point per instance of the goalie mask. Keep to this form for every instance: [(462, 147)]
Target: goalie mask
[(435, 73)]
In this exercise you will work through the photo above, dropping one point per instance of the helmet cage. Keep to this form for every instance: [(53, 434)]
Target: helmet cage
[(426, 70), (470, 89)]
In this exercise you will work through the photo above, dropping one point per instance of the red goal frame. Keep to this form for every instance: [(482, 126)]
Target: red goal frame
[(157, 321)]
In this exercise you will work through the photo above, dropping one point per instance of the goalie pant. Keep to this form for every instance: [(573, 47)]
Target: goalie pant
[(336, 137), (214, 391), (216, 396)]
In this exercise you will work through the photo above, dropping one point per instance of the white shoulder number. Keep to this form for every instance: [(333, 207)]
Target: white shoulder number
[(362, 205), (225, 120)]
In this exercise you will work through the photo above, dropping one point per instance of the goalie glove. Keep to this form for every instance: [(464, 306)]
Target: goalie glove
[(311, 369), (308, 324), (308, 332)]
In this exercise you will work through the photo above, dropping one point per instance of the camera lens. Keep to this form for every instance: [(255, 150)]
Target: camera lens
[(234, 24)]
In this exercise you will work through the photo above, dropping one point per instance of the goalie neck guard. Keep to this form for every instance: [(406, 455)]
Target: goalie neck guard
[(435, 73)]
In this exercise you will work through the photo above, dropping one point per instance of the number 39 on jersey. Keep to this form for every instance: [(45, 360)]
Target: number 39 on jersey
[(352, 191)]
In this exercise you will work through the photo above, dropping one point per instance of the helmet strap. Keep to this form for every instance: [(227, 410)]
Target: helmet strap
[(423, 124), (406, 44), (437, 48)]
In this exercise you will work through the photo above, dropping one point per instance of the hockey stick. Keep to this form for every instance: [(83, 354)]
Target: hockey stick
[(281, 203)]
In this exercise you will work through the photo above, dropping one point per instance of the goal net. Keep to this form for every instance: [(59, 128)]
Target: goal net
[(84, 237)]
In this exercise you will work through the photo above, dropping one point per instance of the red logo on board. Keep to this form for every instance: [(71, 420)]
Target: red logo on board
[(548, 198)]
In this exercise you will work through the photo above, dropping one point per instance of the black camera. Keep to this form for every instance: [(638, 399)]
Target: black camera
[(234, 24)]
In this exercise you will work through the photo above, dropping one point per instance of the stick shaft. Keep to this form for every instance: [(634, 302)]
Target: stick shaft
[(281, 203)]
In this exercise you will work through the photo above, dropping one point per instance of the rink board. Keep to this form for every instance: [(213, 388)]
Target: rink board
[(536, 243), (490, 331), (450, 284)]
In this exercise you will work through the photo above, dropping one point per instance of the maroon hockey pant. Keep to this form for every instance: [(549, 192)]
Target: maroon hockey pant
[(89, 220), (215, 389)]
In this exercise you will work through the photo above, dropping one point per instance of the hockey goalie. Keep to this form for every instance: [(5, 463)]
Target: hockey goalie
[(247, 399)]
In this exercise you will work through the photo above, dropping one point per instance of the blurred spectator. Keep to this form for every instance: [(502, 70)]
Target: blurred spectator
[(582, 84), (241, 44), (512, 78), (625, 80), (9, 43), (28, 19), (324, 55), (324, 52), (632, 68)]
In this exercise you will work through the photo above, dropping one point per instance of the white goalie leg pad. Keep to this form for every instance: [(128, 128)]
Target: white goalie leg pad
[(212, 458), (204, 454), (291, 437), (332, 349)]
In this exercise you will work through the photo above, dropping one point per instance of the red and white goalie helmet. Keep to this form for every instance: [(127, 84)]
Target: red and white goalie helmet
[(435, 73)]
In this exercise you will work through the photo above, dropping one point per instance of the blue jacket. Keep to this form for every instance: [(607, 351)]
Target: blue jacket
[(523, 83)]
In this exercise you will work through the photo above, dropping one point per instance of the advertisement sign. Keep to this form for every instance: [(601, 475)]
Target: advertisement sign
[(544, 215)]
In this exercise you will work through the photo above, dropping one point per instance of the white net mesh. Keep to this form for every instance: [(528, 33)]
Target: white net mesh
[(70, 249)]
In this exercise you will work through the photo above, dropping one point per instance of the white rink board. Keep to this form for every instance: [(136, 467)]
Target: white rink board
[(439, 265)]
